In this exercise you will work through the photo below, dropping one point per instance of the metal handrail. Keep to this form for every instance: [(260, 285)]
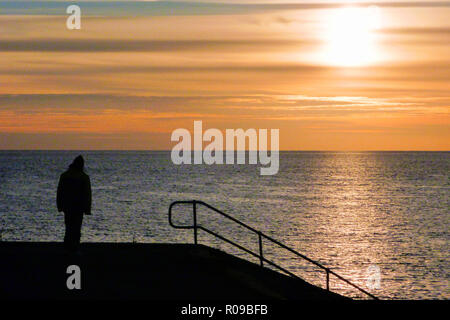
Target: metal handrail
[(261, 235)]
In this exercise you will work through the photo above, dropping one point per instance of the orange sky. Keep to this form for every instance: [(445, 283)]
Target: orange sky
[(330, 78)]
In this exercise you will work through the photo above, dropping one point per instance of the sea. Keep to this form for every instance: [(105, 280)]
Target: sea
[(378, 219)]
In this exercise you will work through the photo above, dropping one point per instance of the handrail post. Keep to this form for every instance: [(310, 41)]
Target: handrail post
[(328, 278), (261, 259), (195, 221)]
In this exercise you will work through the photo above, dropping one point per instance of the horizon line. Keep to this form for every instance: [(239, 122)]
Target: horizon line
[(170, 150)]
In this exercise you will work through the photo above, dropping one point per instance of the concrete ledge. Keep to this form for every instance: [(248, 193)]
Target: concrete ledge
[(37, 270)]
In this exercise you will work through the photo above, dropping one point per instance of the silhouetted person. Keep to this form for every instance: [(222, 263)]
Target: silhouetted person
[(74, 199)]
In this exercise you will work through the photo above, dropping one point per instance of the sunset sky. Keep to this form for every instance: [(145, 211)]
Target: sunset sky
[(329, 76)]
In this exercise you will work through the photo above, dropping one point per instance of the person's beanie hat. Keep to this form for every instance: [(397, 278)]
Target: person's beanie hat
[(78, 163)]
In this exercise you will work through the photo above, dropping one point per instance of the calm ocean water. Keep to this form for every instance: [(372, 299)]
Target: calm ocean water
[(349, 211)]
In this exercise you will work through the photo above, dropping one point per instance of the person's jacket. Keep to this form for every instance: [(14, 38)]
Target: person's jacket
[(74, 192)]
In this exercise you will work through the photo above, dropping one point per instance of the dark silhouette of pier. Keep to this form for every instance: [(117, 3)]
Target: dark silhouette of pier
[(38, 270)]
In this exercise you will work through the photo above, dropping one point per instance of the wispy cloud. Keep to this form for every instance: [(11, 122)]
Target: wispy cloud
[(103, 45), (88, 104), (169, 8)]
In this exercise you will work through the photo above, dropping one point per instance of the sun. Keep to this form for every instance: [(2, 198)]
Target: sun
[(350, 38)]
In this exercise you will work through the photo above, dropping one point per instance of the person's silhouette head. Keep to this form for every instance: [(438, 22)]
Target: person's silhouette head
[(78, 163)]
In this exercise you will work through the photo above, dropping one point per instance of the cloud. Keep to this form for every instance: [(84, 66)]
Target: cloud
[(411, 72), (106, 45), (178, 106), (168, 8), (415, 31), (84, 140)]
